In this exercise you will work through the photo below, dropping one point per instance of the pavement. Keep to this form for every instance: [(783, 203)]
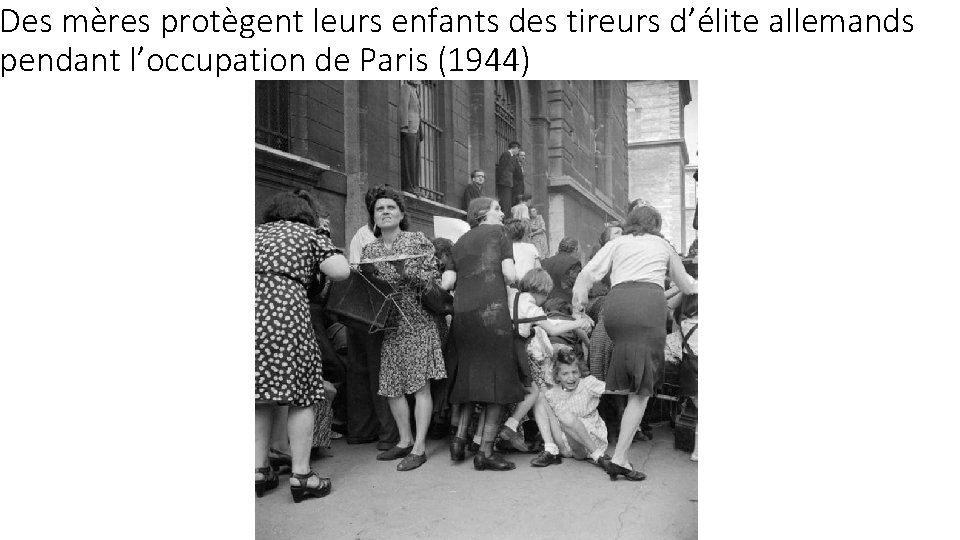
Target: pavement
[(443, 499)]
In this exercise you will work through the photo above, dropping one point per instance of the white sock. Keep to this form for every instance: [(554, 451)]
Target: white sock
[(478, 437), (512, 423), (551, 448), (596, 454)]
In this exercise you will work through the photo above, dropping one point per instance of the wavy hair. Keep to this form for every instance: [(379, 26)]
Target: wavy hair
[(566, 357), (376, 193), (477, 210), (643, 220), (298, 206)]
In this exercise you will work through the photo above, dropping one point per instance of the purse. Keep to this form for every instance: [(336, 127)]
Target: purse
[(436, 300), (361, 301)]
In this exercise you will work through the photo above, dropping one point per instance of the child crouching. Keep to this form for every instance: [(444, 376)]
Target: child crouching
[(567, 414), (531, 345)]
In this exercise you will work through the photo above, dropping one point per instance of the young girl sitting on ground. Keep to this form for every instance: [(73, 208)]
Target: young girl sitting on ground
[(571, 425), (524, 304)]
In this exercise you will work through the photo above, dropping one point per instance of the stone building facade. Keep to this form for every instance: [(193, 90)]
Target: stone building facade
[(658, 154), (336, 138)]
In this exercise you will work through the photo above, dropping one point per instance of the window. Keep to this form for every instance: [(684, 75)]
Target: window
[(430, 121), (506, 113), (273, 114)]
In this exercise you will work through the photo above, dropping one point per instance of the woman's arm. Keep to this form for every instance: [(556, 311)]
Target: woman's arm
[(556, 327), (594, 271), (448, 280), (679, 274), (335, 267)]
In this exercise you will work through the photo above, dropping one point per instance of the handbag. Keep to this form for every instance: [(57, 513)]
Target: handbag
[(361, 301), (436, 300)]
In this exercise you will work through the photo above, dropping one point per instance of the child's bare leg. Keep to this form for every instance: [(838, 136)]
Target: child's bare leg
[(509, 430), (581, 442), (524, 406), (541, 413), (556, 431)]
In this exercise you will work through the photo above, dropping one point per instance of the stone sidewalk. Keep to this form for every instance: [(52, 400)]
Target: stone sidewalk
[(442, 499)]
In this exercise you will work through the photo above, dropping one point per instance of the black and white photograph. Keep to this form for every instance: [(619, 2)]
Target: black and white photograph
[(476, 309)]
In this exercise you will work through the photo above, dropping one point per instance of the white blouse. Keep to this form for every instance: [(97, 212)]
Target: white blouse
[(647, 258)]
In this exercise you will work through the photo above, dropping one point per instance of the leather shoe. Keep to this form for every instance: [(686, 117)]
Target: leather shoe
[(546, 458), (458, 449), (412, 461), (494, 462), (394, 453), (385, 445), (514, 438)]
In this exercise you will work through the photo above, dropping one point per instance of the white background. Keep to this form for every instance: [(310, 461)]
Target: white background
[(828, 281)]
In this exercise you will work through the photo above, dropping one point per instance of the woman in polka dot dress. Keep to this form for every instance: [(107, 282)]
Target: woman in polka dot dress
[(290, 252)]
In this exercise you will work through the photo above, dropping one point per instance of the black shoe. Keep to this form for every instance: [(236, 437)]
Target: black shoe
[(270, 481), (546, 458), (394, 453), (385, 445), (304, 491), (615, 470), (411, 462), (514, 438), (494, 462), (458, 449)]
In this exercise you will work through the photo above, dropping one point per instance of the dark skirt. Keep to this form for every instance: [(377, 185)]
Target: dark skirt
[(635, 320)]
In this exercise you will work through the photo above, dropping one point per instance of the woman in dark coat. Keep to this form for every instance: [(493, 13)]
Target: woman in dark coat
[(485, 370)]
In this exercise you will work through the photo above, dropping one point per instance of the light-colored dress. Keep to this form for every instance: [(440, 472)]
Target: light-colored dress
[(525, 258), (538, 235), (582, 402)]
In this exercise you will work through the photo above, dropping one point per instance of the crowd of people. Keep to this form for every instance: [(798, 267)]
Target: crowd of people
[(516, 359)]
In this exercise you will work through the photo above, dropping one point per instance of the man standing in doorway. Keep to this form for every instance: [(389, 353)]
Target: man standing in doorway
[(474, 189), (505, 173)]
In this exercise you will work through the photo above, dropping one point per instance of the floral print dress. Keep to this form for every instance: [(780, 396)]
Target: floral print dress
[(287, 366), (411, 353)]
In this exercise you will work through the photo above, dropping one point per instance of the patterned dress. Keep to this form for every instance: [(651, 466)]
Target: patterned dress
[(287, 368), (411, 353), (582, 402)]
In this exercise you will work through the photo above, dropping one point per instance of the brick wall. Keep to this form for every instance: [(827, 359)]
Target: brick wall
[(656, 110)]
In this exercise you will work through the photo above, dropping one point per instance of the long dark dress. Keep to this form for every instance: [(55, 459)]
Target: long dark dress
[(286, 356), (484, 368)]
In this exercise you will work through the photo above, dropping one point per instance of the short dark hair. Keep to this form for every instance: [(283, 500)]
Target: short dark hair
[(643, 220), (566, 357), (475, 171), (513, 144), (557, 305), (516, 229), (376, 193), (568, 244), (477, 210), (443, 251), (298, 206), (523, 197), (537, 280)]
